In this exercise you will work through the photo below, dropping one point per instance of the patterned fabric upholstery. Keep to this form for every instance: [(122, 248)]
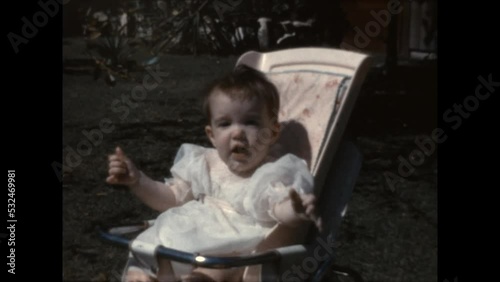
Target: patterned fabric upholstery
[(307, 97)]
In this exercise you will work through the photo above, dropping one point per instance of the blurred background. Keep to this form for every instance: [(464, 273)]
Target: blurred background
[(117, 38)]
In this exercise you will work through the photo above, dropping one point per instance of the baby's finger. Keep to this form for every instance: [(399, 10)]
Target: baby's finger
[(113, 157), (118, 155), (125, 159), (117, 171), (120, 164), (111, 179), (119, 152), (308, 199), (296, 201), (294, 196), (310, 210)]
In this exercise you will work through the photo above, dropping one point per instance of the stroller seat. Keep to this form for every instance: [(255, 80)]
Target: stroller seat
[(318, 88)]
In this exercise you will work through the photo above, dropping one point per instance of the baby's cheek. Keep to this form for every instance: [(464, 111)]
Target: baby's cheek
[(265, 136), (255, 133)]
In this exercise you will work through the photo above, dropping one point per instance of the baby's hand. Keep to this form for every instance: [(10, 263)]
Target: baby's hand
[(121, 169), (305, 207)]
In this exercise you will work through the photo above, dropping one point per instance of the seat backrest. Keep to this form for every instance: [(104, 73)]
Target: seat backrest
[(318, 88)]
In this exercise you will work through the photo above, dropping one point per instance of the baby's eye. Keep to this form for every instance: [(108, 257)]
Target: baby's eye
[(223, 124), (252, 122)]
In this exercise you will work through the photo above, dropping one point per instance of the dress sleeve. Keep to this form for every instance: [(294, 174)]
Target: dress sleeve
[(271, 184), (189, 172)]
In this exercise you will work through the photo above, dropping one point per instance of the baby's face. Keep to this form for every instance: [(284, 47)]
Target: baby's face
[(242, 132)]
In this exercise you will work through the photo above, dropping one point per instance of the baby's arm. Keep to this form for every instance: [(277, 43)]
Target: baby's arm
[(297, 209), (155, 194)]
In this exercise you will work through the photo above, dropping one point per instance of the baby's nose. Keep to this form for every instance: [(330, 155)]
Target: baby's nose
[(239, 133)]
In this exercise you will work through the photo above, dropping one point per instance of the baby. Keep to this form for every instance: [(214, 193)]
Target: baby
[(224, 200)]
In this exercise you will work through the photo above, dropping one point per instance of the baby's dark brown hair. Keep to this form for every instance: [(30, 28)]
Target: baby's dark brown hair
[(244, 83)]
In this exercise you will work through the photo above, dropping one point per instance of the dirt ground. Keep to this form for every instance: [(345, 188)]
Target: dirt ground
[(388, 234)]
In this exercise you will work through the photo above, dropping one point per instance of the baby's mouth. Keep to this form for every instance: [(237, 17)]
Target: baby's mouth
[(240, 153)]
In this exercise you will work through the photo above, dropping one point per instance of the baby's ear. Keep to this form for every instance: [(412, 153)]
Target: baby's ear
[(276, 131), (210, 134)]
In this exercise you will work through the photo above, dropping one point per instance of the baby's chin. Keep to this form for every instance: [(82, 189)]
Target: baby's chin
[(241, 169)]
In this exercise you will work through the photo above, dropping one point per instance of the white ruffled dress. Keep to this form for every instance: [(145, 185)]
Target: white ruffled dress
[(221, 213)]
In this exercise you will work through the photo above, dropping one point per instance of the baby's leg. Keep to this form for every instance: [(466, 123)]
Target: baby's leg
[(135, 274), (197, 276), (214, 275), (165, 272)]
